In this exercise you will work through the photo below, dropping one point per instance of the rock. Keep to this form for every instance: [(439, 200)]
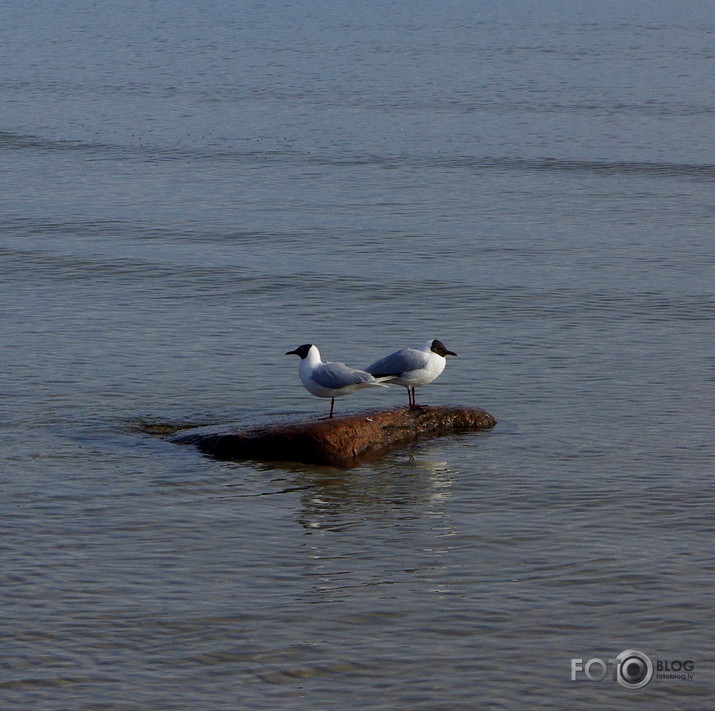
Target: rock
[(340, 441)]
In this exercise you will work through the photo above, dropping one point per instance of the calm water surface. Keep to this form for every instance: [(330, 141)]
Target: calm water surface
[(191, 189)]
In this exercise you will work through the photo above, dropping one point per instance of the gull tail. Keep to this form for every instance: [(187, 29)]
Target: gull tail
[(380, 378)]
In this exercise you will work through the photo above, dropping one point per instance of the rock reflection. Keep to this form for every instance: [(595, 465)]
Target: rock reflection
[(396, 489), (403, 503)]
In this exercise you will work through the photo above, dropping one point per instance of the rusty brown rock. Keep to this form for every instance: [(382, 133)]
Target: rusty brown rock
[(340, 441)]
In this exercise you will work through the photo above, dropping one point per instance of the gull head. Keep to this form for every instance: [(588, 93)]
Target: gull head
[(440, 349), (302, 351)]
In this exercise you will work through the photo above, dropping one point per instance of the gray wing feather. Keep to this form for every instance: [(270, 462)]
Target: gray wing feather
[(398, 362), (338, 375)]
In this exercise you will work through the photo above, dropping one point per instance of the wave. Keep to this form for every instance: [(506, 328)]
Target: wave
[(49, 266), (527, 165), (507, 303), (16, 142), (143, 152)]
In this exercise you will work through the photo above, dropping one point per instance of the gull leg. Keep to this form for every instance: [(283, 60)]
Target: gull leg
[(332, 403), (411, 394), (413, 399)]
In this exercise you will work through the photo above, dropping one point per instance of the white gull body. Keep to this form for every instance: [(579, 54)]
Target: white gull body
[(412, 367), (330, 379)]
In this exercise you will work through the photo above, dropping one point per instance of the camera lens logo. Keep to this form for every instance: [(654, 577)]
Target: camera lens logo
[(634, 669)]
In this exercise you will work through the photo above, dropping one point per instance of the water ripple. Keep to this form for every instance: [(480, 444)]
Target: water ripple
[(15, 142)]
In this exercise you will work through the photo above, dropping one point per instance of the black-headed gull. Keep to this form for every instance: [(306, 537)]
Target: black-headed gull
[(330, 379), (412, 367)]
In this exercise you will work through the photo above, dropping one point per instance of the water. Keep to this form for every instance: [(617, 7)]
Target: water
[(191, 189)]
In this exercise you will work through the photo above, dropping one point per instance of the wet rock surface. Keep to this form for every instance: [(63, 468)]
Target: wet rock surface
[(340, 441)]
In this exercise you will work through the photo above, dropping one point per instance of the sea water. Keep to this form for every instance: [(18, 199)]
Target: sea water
[(189, 190)]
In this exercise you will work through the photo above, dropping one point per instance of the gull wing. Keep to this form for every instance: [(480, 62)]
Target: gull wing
[(339, 375), (398, 363)]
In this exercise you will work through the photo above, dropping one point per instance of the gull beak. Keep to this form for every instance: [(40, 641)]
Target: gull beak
[(450, 353), (295, 352)]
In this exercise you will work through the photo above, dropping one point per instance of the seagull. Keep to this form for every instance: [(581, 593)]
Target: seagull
[(411, 367), (330, 379)]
